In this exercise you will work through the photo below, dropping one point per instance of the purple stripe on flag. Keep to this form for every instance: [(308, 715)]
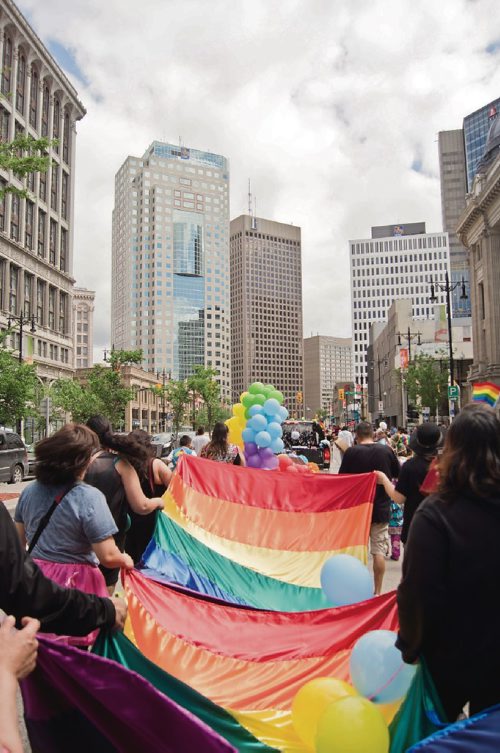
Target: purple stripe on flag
[(73, 694)]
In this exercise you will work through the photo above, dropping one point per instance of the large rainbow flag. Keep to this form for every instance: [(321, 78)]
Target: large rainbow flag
[(486, 392)]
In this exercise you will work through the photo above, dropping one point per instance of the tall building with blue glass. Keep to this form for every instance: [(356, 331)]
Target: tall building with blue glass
[(475, 128), (170, 260)]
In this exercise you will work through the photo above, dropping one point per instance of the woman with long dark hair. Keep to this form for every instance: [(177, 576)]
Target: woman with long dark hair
[(220, 449), (67, 523), (111, 471), (448, 599), (154, 477)]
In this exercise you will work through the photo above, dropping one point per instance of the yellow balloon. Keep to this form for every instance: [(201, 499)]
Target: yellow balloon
[(389, 710), (352, 725), (310, 702), (239, 411)]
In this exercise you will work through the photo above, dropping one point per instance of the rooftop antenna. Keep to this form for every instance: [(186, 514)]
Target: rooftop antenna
[(249, 198)]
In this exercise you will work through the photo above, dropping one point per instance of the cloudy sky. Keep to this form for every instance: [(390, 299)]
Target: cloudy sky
[(331, 107)]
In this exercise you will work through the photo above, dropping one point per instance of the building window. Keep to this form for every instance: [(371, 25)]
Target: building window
[(63, 255), (52, 308), (28, 224), (63, 308), (28, 294), (40, 301), (64, 195), (14, 217), (34, 97), (13, 282), (54, 183), (56, 123), (6, 65), (52, 241), (21, 82), (66, 138), (2, 205), (41, 233), (45, 110), (4, 124), (42, 187), (482, 307)]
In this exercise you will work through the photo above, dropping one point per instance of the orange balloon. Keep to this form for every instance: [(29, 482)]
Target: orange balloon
[(389, 710)]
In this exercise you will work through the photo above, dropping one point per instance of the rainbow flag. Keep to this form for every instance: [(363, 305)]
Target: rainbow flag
[(486, 392), (254, 538)]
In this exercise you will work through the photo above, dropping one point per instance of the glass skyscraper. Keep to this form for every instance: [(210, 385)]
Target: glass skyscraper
[(170, 277), (476, 127)]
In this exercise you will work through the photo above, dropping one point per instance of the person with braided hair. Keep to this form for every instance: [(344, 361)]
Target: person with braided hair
[(112, 472)]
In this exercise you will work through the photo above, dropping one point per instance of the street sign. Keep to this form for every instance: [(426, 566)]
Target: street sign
[(380, 406), (453, 392), (45, 405)]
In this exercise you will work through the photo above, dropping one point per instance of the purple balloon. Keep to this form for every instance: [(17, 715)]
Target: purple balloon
[(251, 449), (266, 453), (270, 464), (254, 461)]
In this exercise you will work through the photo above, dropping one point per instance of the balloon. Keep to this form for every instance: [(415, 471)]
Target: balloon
[(270, 464), (283, 413), (284, 461), (255, 409), (345, 580), (312, 700), (389, 710), (254, 461), (256, 388), (278, 396), (266, 452), (243, 394), (276, 419), (257, 423), (239, 410), (292, 468), (259, 399), (247, 400), (275, 430), (304, 459), (271, 407), (352, 725), (263, 439), (277, 445), (251, 448), (377, 668), (248, 435)]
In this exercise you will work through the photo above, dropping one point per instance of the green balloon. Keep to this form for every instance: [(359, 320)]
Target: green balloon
[(247, 400), (268, 389), (256, 388), (259, 399), (277, 395), (248, 414)]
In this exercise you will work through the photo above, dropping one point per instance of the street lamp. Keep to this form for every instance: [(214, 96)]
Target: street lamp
[(372, 366), (409, 336), (21, 320), (164, 376), (448, 288)]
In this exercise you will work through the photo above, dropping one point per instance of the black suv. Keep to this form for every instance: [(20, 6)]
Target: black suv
[(13, 457)]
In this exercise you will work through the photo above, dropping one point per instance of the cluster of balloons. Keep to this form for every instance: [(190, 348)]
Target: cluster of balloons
[(345, 580), (286, 463), (256, 425), (331, 716)]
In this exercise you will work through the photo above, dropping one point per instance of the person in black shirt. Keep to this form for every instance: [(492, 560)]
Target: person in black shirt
[(424, 443), (448, 599), (364, 457)]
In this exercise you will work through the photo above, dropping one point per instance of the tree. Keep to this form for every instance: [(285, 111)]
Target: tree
[(177, 394), (119, 358), (103, 392), (18, 385), (23, 156), (427, 383), (202, 383)]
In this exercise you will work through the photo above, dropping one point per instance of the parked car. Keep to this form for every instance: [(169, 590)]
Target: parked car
[(300, 438), (13, 457), (163, 442)]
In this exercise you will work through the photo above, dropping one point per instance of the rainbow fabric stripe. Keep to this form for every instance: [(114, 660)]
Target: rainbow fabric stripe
[(486, 392)]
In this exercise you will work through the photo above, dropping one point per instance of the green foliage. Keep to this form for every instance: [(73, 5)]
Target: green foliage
[(119, 358), (202, 383), (18, 385), (103, 392), (220, 413), (24, 155), (427, 383), (177, 394)]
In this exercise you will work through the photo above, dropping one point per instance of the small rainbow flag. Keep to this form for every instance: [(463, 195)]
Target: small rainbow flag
[(486, 392)]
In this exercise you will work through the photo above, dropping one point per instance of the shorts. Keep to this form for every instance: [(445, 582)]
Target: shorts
[(379, 539)]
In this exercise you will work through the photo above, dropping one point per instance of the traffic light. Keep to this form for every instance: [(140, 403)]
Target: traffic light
[(341, 394), (299, 397), (412, 413)]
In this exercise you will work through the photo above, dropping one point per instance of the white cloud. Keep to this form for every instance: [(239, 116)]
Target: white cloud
[(325, 104)]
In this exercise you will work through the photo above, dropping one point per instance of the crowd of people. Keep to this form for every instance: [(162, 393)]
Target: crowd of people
[(92, 510)]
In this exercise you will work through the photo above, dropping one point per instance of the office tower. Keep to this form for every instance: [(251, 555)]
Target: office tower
[(83, 327), (476, 127), (398, 261), (36, 233), (327, 362), (170, 260), (266, 307)]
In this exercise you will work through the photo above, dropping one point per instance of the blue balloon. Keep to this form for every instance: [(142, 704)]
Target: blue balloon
[(257, 423), (345, 580), (277, 446), (248, 435), (254, 410), (276, 419), (263, 439), (377, 669), (275, 430), (271, 406), (283, 413), (305, 461)]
